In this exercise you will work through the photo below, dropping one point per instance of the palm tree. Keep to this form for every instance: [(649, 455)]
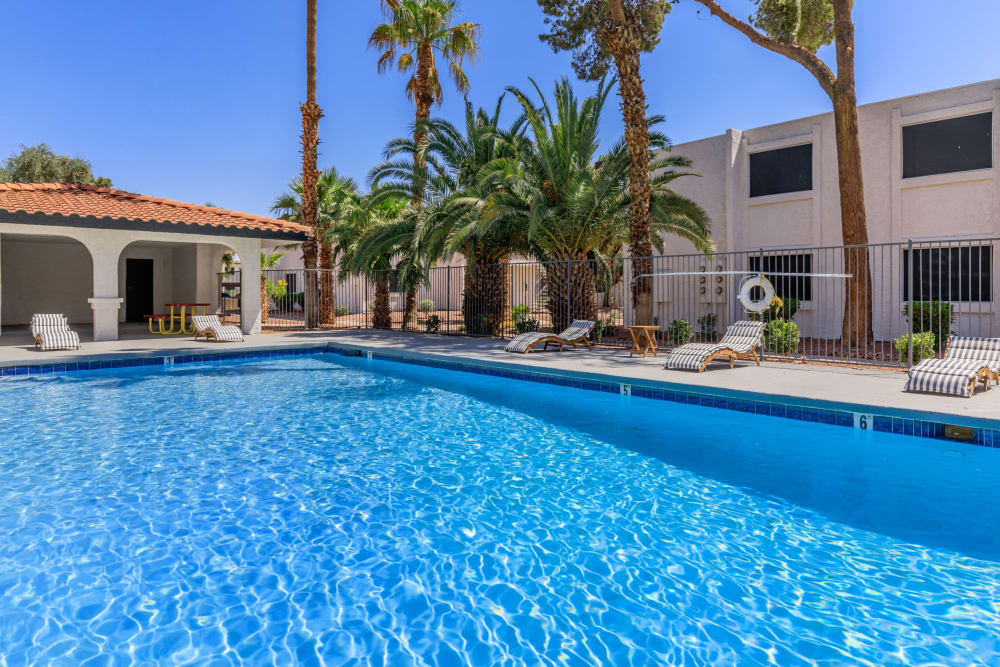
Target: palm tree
[(337, 199), (417, 32), (572, 205), (448, 179), (347, 236), (311, 113)]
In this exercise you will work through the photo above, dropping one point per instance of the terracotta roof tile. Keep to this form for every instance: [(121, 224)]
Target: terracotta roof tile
[(92, 201)]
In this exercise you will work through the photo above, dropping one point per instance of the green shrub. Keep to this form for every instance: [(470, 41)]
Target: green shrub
[(785, 310), (523, 323), (923, 346), (277, 290), (371, 306), (341, 310), (931, 316), (680, 332), (479, 325), (433, 324), (707, 326), (425, 305), (602, 328), (781, 337)]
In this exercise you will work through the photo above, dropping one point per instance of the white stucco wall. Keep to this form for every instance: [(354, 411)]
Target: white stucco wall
[(40, 277), (962, 205)]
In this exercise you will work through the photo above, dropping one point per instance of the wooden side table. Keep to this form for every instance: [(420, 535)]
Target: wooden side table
[(643, 340)]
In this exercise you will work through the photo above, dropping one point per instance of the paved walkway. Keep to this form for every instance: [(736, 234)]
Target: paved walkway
[(850, 389)]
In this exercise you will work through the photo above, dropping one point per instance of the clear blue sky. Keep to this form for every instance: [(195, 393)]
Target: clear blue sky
[(197, 100)]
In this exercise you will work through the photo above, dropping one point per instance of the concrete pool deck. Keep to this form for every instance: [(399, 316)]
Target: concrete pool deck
[(877, 388)]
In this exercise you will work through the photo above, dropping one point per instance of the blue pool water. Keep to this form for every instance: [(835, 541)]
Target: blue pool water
[(329, 510)]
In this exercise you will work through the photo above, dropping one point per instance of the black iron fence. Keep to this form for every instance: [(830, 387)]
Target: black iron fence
[(879, 304)]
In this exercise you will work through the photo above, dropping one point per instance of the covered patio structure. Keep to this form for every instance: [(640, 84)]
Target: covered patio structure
[(105, 257)]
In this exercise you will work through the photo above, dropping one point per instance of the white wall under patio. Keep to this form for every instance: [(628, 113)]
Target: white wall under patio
[(44, 274)]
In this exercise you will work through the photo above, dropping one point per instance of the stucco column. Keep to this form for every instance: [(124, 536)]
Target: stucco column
[(104, 254), (249, 252)]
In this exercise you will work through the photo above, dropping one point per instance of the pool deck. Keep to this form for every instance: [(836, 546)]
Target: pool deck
[(847, 387)]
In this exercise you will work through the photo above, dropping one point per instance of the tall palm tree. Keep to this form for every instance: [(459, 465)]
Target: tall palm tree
[(453, 158), (416, 34), (311, 113), (572, 204), (337, 199)]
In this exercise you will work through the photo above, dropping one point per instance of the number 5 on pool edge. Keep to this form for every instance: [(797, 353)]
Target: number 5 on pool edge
[(862, 422)]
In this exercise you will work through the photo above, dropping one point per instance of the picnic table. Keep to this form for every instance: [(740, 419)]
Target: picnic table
[(178, 321)]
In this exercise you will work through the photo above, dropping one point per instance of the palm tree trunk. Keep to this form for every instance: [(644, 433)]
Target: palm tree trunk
[(382, 315), (265, 302), (410, 309), (486, 297), (621, 41), (571, 291), (327, 298), (857, 324), (311, 113)]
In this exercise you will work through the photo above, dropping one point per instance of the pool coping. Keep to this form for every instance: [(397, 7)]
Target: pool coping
[(903, 421)]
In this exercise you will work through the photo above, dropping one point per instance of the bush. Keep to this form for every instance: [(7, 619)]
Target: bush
[(781, 337), (680, 332), (783, 308), (602, 328), (341, 310), (479, 325), (425, 305), (935, 317), (433, 324), (707, 325), (522, 322), (923, 346), (277, 290)]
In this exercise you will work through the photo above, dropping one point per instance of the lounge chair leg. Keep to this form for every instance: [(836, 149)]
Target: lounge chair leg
[(756, 358)]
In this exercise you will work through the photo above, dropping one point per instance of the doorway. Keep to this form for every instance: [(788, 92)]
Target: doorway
[(138, 289)]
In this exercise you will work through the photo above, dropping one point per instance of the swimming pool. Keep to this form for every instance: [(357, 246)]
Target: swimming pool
[(335, 510)]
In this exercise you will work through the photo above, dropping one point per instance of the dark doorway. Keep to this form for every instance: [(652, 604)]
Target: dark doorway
[(138, 289)]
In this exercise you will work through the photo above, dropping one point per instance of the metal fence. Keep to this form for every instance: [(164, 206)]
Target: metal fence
[(865, 319)]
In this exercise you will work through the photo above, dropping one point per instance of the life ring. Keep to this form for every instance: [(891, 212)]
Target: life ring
[(745, 288)]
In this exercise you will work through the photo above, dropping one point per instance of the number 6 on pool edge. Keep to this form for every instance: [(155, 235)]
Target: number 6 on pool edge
[(863, 422)]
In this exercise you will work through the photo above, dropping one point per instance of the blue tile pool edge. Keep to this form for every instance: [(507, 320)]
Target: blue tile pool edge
[(726, 400)]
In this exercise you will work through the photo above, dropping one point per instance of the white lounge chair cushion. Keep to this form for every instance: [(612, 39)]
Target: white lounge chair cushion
[(741, 337), (58, 339), (944, 376), (227, 333), (48, 321), (575, 331), (986, 350)]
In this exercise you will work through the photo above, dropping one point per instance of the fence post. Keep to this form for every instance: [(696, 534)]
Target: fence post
[(909, 293), (569, 297), (448, 299)]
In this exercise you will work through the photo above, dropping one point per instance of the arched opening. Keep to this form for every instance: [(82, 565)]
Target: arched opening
[(157, 277), (44, 274)]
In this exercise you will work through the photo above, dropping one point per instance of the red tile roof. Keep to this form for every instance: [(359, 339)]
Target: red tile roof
[(90, 201)]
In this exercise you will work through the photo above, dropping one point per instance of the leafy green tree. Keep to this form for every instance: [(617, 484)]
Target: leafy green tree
[(40, 164), (797, 29), (569, 203), (602, 32)]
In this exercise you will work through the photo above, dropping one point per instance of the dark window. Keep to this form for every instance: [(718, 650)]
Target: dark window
[(291, 280), (782, 170), (945, 146), (949, 274), (787, 287)]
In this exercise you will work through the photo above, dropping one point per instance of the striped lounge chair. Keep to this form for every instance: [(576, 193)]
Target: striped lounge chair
[(966, 361), (51, 332), (740, 342), (211, 327), (578, 333)]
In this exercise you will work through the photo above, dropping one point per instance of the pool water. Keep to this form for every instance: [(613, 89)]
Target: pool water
[(333, 510)]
